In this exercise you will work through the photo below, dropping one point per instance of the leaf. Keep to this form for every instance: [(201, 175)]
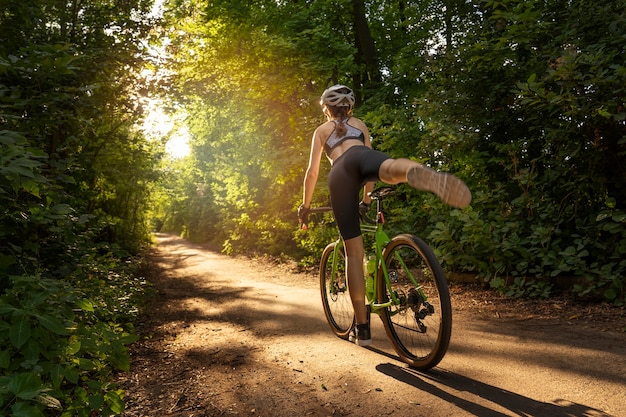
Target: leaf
[(20, 332), (6, 308), (73, 347), (71, 374), (26, 385), (9, 137), (56, 375), (86, 364), (25, 162), (115, 401), (121, 361), (53, 324), (22, 409), (619, 217), (85, 305), (127, 339), (49, 401), (61, 209), (5, 359), (610, 294)]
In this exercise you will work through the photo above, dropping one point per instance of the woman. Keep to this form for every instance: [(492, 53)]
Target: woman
[(346, 142)]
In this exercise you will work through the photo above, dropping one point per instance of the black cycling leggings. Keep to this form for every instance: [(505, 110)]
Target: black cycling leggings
[(355, 167)]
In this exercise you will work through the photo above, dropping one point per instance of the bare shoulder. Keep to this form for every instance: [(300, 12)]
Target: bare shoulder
[(358, 123), (325, 129)]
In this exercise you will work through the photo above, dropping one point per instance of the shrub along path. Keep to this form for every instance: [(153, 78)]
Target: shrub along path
[(226, 336)]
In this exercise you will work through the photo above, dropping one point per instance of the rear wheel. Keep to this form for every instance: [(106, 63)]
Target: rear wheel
[(419, 324), (334, 289)]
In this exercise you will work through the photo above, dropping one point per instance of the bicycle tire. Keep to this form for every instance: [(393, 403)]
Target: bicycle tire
[(335, 295), (419, 336)]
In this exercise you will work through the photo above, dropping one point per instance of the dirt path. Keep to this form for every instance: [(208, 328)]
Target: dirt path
[(231, 336)]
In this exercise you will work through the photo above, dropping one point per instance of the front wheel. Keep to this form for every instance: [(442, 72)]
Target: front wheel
[(419, 320), (334, 288)]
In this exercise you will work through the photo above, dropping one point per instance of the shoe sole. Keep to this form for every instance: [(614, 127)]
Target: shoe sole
[(450, 189), (360, 342)]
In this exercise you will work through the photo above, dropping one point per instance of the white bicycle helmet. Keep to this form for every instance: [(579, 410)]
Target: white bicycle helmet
[(338, 96)]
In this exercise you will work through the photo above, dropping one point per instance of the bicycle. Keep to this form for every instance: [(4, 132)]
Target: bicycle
[(405, 285)]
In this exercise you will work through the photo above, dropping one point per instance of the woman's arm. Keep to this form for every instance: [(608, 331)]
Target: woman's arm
[(369, 186), (312, 172)]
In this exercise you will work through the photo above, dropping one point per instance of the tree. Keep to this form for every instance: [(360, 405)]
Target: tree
[(530, 92), (74, 177), (485, 90)]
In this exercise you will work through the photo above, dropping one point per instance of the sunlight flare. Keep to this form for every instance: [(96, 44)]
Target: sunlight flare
[(160, 125)]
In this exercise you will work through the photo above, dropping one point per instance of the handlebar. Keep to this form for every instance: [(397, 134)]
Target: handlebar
[(320, 209), (303, 225), (377, 195)]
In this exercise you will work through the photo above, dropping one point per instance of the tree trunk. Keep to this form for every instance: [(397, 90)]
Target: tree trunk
[(365, 43)]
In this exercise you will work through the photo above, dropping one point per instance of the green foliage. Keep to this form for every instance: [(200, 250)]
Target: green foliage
[(58, 350), (266, 235), (75, 174), (18, 167), (526, 258), (539, 106), (518, 98), (60, 325), (321, 231), (239, 186)]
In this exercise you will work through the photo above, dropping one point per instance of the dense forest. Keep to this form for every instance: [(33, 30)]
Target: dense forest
[(522, 99)]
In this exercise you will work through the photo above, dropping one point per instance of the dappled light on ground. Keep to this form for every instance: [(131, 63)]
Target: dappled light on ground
[(228, 336)]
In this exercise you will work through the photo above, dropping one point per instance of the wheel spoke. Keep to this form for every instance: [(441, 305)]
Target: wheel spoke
[(419, 324), (334, 290)]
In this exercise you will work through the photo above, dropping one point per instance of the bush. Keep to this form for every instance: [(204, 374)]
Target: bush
[(59, 349), (532, 256)]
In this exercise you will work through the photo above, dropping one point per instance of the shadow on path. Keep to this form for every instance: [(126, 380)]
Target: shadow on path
[(517, 404)]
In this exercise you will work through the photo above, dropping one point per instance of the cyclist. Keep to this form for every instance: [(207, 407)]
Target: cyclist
[(346, 142)]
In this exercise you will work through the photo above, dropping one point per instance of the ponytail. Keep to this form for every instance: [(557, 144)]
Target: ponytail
[(339, 114)]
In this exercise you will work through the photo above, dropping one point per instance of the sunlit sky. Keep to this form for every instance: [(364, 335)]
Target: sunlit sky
[(158, 125), (178, 145)]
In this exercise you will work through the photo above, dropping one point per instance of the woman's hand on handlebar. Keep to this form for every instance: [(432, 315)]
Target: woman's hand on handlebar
[(304, 212), (303, 216), (363, 210)]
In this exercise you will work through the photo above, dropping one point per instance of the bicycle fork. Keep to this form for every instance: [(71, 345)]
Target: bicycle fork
[(336, 284)]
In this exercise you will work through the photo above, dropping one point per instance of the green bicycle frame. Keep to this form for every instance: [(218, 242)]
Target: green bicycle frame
[(381, 239)]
